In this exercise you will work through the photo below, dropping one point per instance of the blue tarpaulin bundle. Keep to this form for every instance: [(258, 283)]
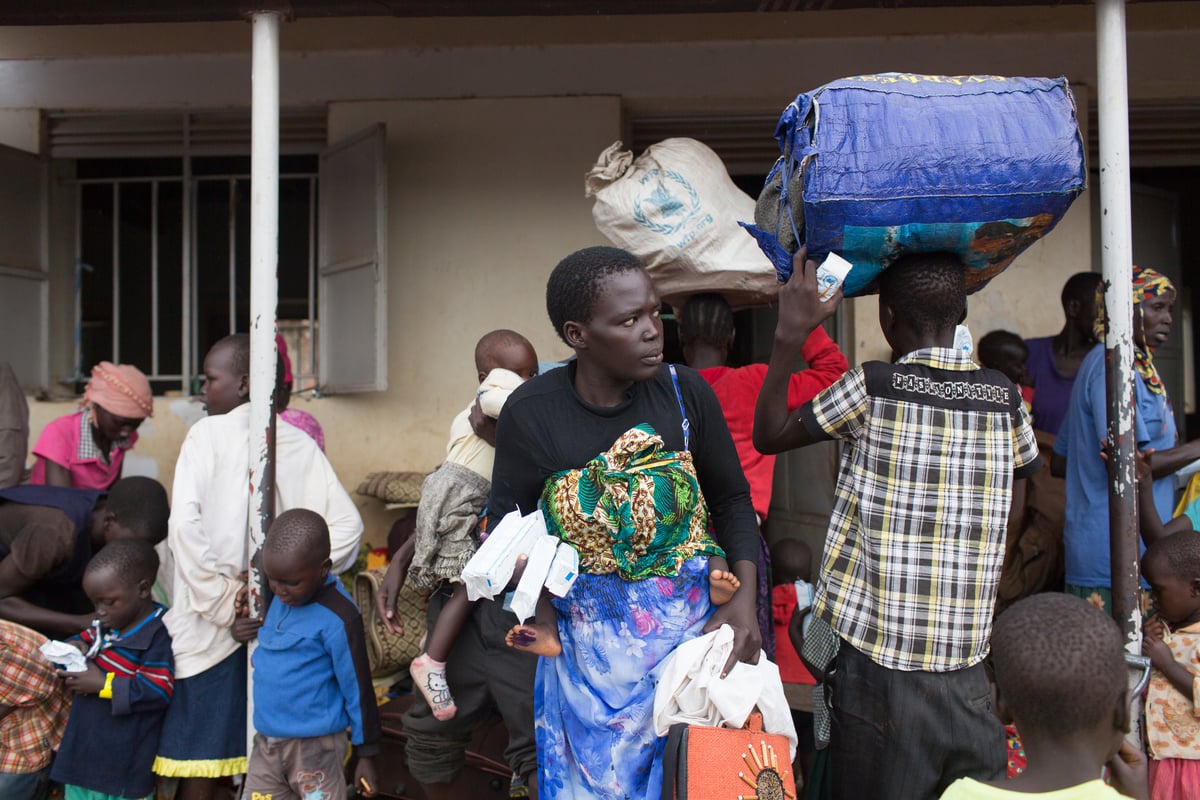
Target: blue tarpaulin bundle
[(877, 166)]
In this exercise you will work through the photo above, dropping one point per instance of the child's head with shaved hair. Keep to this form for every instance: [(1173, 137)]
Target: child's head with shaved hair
[(1061, 678), (296, 555)]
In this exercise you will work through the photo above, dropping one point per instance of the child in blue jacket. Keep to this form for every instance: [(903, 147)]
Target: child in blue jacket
[(311, 679), (117, 711)]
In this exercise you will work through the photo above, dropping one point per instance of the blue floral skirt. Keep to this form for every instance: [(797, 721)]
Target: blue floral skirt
[(594, 703)]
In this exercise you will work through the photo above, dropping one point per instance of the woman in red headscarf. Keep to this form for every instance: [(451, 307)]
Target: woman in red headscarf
[(86, 450)]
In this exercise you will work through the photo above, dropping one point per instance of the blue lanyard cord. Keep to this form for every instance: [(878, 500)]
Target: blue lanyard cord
[(682, 411)]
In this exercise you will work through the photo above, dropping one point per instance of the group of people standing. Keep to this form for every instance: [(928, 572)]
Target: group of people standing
[(655, 472), (936, 453)]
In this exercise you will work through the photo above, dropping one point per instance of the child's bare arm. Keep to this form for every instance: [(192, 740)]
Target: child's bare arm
[(1163, 659), (1152, 526), (796, 635), (389, 588)]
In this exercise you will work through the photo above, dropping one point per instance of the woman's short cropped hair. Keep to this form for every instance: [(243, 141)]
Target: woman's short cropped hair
[(574, 285)]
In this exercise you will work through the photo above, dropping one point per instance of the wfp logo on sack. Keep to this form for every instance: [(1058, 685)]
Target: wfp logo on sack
[(665, 203)]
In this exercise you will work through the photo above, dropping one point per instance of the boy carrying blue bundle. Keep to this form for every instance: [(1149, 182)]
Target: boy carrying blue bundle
[(936, 450)]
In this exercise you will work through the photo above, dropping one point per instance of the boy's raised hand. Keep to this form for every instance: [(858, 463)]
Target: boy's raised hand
[(800, 307)]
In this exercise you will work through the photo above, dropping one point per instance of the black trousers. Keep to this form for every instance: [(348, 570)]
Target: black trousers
[(483, 672), (908, 735)]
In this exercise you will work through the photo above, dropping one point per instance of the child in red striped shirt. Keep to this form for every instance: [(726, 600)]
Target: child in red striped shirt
[(117, 712)]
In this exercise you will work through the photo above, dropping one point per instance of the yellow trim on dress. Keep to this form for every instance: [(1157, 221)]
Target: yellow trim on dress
[(199, 768)]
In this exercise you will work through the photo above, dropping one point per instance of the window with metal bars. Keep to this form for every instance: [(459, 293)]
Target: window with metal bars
[(162, 260)]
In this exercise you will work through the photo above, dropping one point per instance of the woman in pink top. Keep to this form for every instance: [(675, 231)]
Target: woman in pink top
[(86, 450)]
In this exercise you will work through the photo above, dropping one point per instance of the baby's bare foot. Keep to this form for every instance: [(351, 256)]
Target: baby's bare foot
[(541, 640), (721, 586)]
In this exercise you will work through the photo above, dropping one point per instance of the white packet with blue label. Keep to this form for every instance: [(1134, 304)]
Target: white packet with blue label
[(830, 275)]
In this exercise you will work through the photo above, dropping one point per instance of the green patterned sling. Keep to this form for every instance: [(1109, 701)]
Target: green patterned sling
[(635, 509)]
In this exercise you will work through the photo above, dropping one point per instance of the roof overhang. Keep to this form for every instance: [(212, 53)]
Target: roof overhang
[(97, 12)]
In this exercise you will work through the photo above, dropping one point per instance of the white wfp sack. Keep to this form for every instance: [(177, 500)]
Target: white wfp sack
[(676, 209)]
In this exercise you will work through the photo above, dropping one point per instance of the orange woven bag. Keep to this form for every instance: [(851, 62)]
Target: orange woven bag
[(702, 763)]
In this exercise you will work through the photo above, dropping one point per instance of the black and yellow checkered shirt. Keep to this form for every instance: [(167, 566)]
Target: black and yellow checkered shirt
[(916, 540)]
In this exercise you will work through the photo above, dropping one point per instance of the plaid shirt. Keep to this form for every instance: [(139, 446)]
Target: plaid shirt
[(916, 540), (40, 703)]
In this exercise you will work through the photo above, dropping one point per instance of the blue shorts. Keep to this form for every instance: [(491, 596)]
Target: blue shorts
[(204, 731)]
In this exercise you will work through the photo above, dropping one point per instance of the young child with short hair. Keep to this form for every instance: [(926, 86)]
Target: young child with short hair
[(1060, 675), (117, 713), (1171, 638), (936, 448), (311, 678)]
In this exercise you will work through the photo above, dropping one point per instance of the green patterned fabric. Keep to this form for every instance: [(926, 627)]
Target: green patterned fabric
[(635, 509)]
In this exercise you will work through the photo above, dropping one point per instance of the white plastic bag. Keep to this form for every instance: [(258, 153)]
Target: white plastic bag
[(490, 569), (676, 208), (529, 589), (563, 570)]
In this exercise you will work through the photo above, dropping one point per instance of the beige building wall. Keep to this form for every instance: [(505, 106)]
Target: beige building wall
[(486, 188)]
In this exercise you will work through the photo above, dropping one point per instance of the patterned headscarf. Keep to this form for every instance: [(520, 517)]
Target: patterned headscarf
[(119, 389), (1147, 282)]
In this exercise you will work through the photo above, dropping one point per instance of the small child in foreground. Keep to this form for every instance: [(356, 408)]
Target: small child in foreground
[(311, 679), (117, 712), (1060, 676), (1172, 641)]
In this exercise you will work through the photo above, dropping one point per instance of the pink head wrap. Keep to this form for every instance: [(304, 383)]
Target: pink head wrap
[(281, 346), (121, 390)]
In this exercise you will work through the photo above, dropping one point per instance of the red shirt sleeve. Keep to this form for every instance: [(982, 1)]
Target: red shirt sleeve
[(826, 364)]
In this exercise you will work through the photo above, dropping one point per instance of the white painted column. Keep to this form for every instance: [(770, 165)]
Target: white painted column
[(264, 291), (1116, 245)]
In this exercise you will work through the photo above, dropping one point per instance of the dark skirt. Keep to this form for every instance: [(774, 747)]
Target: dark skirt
[(204, 733)]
